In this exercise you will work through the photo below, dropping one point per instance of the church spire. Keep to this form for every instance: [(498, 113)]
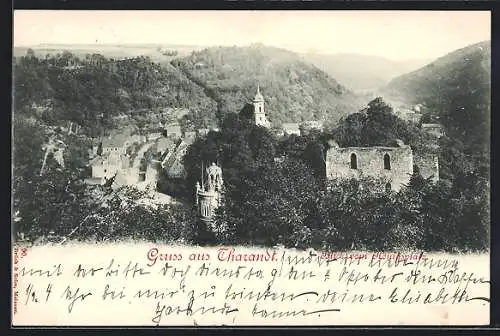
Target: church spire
[(258, 108), (258, 95)]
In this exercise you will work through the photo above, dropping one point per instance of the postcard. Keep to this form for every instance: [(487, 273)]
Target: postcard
[(251, 168)]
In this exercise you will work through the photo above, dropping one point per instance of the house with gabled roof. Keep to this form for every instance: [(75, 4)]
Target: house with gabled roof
[(434, 129), (172, 161), (173, 131), (164, 144), (109, 164), (308, 126), (117, 143), (291, 128)]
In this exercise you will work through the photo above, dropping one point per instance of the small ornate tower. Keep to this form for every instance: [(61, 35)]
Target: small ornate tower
[(258, 108), (209, 194)]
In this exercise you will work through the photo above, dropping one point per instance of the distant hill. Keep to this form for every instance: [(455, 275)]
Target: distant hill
[(294, 90), (444, 76), (96, 84), (362, 73), (162, 53), (96, 91), (456, 90)]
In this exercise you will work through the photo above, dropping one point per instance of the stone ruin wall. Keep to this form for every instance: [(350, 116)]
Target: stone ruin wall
[(428, 165), (370, 163)]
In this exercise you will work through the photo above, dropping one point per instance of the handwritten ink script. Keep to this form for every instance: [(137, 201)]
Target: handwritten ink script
[(144, 284)]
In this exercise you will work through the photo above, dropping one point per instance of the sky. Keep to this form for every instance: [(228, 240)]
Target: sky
[(397, 35)]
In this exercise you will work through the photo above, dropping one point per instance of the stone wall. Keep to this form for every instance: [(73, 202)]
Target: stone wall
[(107, 166), (428, 166), (370, 164)]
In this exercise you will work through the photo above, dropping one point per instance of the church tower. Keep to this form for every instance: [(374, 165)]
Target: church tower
[(258, 108)]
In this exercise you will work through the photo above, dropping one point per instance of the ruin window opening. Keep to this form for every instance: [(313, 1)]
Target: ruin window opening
[(388, 187), (387, 162), (354, 161)]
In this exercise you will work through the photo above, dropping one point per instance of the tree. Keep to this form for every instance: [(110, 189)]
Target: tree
[(120, 214), (381, 126), (274, 204), (239, 147), (309, 148), (417, 182), (355, 214), (30, 53), (375, 125), (99, 148), (349, 130), (247, 112)]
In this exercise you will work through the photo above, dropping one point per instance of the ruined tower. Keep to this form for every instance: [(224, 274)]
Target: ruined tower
[(391, 166)]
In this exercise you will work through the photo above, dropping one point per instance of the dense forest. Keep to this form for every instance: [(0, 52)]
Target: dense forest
[(454, 90), (294, 90), (95, 90), (275, 190), (289, 202), (58, 203)]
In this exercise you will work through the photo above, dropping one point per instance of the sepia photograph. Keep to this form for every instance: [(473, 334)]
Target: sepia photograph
[(328, 133)]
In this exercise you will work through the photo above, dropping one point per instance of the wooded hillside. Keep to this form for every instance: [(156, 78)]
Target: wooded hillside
[(294, 90)]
